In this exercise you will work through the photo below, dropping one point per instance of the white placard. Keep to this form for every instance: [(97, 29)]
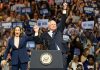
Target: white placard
[(88, 24), (6, 25), (42, 23)]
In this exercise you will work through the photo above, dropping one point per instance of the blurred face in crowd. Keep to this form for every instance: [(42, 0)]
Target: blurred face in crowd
[(23, 17), (91, 61), (26, 3), (52, 25), (12, 14), (33, 2), (17, 31), (75, 58), (35, 16), (87, 52), (89, 45), (73, 32), (74, 1)]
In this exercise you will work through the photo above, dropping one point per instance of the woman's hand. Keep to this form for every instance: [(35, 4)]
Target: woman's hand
[(3, 62)]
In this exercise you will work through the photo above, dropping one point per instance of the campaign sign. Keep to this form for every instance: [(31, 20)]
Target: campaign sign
[(58, 2), (14, 24), (44, 11), (26, 10), (31, 23), (89, 10), (88, 24), (6, 25), (43, 23), (18, 9)]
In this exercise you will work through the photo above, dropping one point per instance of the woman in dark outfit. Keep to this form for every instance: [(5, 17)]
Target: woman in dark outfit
[(17, 45)]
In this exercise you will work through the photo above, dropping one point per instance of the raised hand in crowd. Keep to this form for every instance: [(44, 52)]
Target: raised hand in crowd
[(64, 6)]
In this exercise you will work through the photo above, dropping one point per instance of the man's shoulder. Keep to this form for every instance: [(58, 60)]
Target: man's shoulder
[(44, 33)]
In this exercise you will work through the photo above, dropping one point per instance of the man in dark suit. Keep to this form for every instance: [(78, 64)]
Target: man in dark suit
[(53, 39)]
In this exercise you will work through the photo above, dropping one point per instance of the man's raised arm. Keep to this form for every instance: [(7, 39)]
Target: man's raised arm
[(61, 25)]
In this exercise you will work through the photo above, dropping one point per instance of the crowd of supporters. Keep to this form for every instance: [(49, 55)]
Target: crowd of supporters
[(82, 41)]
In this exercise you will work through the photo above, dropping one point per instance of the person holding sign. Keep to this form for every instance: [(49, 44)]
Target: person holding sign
[(53, 38), (17, 46)]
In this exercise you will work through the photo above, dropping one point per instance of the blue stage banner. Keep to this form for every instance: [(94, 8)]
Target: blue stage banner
[(6, 25), (14, 24)]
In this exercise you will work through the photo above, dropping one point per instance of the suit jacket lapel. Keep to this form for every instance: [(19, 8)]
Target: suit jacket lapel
[(20, 42), (12, 41), (54, 34), (48, 35)]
